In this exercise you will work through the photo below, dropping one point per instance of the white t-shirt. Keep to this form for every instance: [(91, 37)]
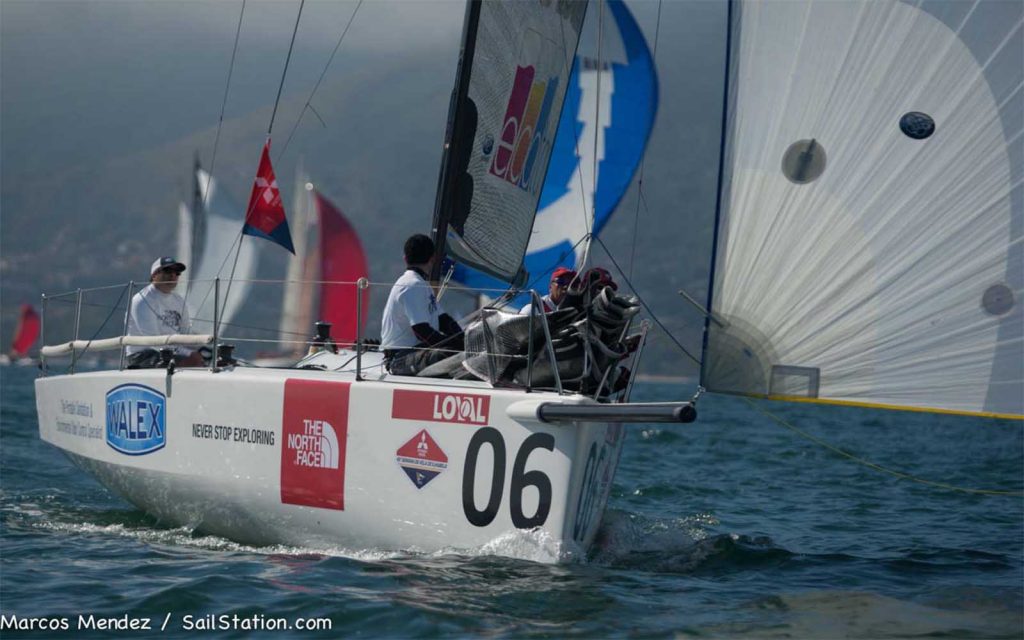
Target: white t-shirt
[(548, 306), (410, 302), (155, 313)]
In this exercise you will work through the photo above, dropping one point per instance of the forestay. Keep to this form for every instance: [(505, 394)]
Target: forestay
[(868, 245), (517, 58)]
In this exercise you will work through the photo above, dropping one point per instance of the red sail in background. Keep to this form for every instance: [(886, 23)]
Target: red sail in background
[(26, 332), (341, 260)]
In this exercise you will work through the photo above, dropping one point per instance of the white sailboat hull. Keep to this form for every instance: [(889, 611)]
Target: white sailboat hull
[(312, 458)]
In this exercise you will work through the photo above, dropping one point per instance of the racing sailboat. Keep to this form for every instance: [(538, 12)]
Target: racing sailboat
[(320, 282), (26, 332), (868, 251), (207, 237)]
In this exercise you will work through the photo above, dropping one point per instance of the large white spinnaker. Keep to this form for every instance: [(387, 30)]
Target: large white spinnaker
[(869, 237)]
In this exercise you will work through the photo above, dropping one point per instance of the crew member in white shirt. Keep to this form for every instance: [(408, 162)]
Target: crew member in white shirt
[(416, 332), (158, 311), (560, 280)]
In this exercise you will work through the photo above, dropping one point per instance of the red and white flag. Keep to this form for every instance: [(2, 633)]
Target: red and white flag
[(265, 217)]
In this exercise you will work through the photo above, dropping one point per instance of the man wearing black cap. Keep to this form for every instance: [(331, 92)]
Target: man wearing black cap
[(158, 311), (415, 331)]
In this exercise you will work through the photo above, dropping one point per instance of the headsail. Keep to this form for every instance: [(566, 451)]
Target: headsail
[(869, 244), (614, 125), (516, 61)]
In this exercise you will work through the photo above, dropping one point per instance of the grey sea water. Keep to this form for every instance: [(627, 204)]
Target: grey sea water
[(730, 527)]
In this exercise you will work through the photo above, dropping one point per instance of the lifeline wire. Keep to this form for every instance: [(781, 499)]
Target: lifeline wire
[(878, 467), (113, 308)]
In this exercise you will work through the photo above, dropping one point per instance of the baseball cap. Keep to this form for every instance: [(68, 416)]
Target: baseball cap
[(563, 275), (163, 263)]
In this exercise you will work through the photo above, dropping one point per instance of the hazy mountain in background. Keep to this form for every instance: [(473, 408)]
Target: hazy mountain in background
[(103, 105)]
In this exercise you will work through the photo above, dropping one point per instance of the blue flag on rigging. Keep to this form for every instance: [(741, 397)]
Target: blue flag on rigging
[(265, 218)]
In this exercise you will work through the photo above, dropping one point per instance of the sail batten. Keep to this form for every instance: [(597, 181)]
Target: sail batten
[(869, 242)]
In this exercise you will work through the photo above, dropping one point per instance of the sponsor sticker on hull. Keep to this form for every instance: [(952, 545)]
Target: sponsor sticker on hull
[(460, 408), (136, 419), (422, 459), (314, 432)]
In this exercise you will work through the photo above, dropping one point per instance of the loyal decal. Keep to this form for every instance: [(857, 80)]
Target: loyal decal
[(461, 408), (136, 419), (313, 453), (421, 459)]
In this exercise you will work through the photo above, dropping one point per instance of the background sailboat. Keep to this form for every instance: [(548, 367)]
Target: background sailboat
[(26, 332), (327, 252), (208, 235)]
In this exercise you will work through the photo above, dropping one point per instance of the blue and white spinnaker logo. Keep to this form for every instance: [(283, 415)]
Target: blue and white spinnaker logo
[(136, 422)]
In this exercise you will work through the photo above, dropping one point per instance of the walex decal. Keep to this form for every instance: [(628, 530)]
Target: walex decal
[(422, 459), (315, 430), (136, 419), (462, 408)]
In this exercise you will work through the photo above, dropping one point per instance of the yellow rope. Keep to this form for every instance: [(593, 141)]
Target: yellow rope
[(877, 467)]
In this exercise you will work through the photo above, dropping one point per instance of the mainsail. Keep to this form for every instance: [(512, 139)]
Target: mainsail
[(871, 210), (513, 76), (608, 113)]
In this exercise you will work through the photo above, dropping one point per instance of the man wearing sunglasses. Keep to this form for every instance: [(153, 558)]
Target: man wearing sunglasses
[(560, 280), (158, 311)]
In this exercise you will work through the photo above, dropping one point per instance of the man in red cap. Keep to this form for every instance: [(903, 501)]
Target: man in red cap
[(560, 280)]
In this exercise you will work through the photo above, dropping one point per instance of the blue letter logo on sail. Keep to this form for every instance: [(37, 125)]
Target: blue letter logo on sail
[(135, 419)]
